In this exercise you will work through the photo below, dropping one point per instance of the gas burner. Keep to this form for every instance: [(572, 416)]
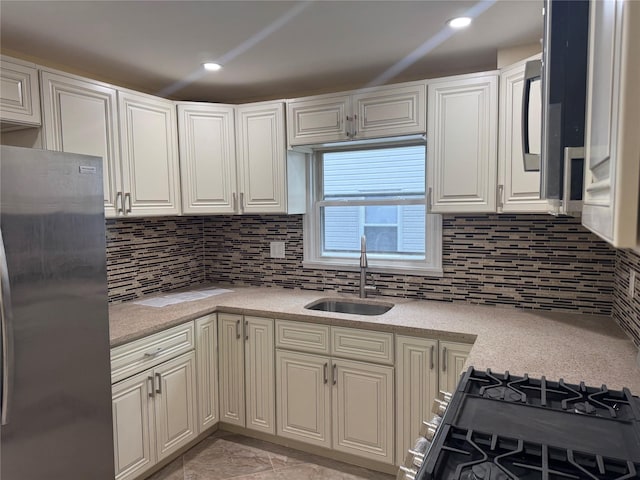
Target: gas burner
[(584, 408), (484, 471), (503, 393)]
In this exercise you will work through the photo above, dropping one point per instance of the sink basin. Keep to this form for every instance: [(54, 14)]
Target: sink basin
[(341, 305)]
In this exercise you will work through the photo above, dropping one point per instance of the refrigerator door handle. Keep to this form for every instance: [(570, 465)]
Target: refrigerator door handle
[(6, 356)]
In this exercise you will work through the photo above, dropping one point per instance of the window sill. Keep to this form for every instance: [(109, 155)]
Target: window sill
[(351, 267)]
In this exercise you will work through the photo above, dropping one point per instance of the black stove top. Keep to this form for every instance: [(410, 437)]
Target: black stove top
[(504, 427)]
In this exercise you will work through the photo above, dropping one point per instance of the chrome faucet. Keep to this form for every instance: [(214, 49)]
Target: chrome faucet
[(364, 264)]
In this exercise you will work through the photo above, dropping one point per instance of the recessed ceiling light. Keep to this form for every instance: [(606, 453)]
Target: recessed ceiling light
[(212, 67), (459, 22)]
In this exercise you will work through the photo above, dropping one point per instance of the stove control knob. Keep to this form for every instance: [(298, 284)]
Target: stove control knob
[(446, 396), (430, 431), (439, 407), (409, 473)]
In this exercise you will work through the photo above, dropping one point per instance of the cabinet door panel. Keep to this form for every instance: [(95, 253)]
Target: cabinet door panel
[(262, 159), (19, 99), (452, 360), (207, 158), (318, 120), (175, 405), (133, 428), (260, 374), (149, 154), (231, 361), (207, 369), (80, 116), (303, 398), (521, 188), (363, 410), (462, 165), (416, 388)]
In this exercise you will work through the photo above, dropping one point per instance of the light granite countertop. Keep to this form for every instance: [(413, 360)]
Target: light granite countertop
[(577, 348)]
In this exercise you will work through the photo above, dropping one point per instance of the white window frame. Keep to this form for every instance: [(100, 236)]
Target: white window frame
[(431, 265)]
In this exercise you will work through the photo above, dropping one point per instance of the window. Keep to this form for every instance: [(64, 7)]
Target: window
[(377, 192)]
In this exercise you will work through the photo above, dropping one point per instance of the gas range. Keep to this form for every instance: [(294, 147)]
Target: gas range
[(505, 427)]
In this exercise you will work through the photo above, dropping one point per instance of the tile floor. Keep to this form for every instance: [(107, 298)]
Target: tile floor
[(229, 456)]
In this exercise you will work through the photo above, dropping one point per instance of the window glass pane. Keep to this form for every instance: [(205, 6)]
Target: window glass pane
[(381, 239), (385, 172), (342, 229), (381, 214)]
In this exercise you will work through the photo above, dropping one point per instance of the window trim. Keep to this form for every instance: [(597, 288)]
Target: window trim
[(431, 265)]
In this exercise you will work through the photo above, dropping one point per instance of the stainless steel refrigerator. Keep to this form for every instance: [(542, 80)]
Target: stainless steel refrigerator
[(56, 388)]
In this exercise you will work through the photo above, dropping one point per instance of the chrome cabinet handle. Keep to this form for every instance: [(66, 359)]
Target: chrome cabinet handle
[(429, 201), (500, 194), (237, 329), (153, 353), (234, 204), (246, 330), (335, 374), (6, 329), (325, 370), (159, 387), (127, 196), (150, 380), (119, 209), (433, 348), (354, 130), (444, 359), (347, 129), (242, 201)]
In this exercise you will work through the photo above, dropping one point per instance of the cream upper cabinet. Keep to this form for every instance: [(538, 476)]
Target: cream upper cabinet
[(80, 116), (453, 356), (416, 388), (206, 135), (19, 97), (375, 112), (363, 409), (612, 171), (462, 123), (518, 190), (148, 136), (206, 333)]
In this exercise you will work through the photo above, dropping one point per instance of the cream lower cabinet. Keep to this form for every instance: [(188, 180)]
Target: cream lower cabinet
[(247, 372), (453, 356), (154, 414), (206, 337), (416, 388)]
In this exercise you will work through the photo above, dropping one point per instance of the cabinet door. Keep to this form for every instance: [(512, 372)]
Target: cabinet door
[(175, 404), (19, 99), (207, 158), (80, 116), (390, 111), (207, 370), (319, 120), (363, 410), (133, 428), (304, 397), (461, 151), (148, 135), (612, 172), (231, 361), (262, 162), (519, 190), (416, 388), (452, 359), (260, 374)]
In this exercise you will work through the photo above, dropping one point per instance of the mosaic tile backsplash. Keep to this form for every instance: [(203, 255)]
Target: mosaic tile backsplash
[(626, 310), (526, 261)]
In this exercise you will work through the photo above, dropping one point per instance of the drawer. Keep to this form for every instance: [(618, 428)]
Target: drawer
[(305, 337), (363, 345), (139, 355)]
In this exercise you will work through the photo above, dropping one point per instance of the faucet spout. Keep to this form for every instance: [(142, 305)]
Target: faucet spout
[(364, 264)]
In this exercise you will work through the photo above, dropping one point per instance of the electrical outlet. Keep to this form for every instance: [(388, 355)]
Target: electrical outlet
[(632, 283), (277, 249)]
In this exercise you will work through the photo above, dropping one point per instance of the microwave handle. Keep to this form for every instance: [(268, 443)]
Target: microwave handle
[(532, 71)]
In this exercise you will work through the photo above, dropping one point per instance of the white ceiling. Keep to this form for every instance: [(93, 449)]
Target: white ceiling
[(269, 49)]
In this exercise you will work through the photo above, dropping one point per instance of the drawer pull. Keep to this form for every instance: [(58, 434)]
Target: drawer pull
[(153, 353)]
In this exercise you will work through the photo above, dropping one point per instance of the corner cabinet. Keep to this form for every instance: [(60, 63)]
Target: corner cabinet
[(80, 116), (206, 333), (149, 141), (247, 372), (19, 99), (462, 123), (612, 174), (375, 112), (518, 190)]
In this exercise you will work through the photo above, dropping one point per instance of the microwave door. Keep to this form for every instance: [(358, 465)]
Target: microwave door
[(532, 116)]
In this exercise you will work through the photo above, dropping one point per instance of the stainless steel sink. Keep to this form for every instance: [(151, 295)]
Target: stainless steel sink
[(354, 307)]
